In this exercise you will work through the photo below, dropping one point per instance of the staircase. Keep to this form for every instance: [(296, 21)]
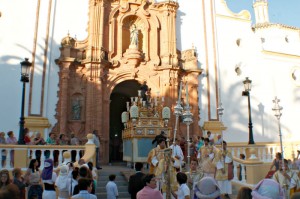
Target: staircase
[(120, 180), (120, 169)]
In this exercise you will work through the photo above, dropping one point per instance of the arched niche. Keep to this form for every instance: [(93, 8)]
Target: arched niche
[(127, 22)]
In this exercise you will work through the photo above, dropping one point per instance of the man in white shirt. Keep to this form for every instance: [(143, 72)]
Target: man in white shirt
[(111, 188), (97, 143), (85, 186), (177, 154)]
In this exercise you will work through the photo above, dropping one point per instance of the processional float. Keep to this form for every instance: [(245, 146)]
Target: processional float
[(143, 121)]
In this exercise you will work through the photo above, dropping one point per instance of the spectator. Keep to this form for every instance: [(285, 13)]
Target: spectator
[(200, 143), (11, 191), (62, 139), (3, 152), (210, 137), (38, 140), (149, 191), (49, 178), (5, 179), (239, 167), (32, 178), (276, 161), (111, 188), (62, 182), (183, 190), (219, 139), (27, 138), (72, 182), (267, 188), (207, 187), (84, 172), (85, 186), (11, 140), (51, 139), (74, 141), (93, 170), (19, 181), (244, 193), (97, 143), (136, 180)]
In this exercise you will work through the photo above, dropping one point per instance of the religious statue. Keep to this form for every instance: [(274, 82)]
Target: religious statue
[(76, 110), (134, 36)]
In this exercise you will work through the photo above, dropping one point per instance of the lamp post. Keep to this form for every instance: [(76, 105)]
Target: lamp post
[(247, 85), (277, 109), (25, 70)]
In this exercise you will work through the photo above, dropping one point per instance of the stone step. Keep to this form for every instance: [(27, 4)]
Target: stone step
[(120, 188), (121, 195)]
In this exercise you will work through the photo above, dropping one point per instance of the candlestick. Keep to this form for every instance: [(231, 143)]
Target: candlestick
[(180, 89), (187, 94)]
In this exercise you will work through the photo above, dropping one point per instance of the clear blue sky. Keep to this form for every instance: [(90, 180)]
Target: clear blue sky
[(280, 11)]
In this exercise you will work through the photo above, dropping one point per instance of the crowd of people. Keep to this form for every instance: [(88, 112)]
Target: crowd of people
[(209, 175), (67, 181), (53, 139)]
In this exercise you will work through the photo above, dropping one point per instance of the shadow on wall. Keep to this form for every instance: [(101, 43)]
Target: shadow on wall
[(10, 66)]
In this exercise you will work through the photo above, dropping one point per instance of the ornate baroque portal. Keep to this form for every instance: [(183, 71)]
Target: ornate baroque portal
[(127, 40)]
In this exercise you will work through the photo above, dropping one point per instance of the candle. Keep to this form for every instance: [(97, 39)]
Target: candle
[(162, 98), (139, 93), (179, 95), (144, 103), (136, 99), (141, 100), (131, 99), (127, 103), (157, 93), (187, 94)]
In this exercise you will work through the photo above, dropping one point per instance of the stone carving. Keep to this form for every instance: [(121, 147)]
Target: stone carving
[(76, 109), (134, 33)]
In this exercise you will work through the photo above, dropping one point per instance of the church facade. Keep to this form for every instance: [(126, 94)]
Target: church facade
[(90, 57)]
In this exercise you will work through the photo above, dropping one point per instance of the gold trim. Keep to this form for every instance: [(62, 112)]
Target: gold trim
[(36, 122)]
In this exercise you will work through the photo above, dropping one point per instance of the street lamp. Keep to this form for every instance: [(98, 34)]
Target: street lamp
[(277, 109), (25, 70), (247, 85)]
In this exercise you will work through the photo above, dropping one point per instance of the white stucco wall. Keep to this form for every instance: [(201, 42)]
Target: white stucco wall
[(17, 25)]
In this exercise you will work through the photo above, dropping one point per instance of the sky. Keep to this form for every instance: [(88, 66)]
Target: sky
[(280, 11)]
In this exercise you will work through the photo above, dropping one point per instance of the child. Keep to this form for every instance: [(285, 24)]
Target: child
[(111, 188)]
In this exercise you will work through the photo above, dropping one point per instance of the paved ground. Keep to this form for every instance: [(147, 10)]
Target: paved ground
[(117, 168)]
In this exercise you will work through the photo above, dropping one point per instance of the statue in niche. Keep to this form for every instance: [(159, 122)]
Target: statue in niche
[(76, 110), (134, 33)]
